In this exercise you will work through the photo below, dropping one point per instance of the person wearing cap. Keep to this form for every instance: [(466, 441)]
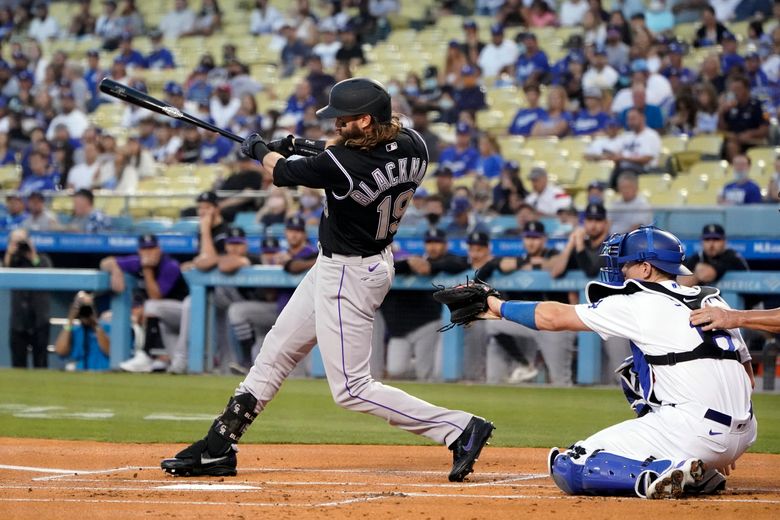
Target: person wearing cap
[(591, 119), (43, 27), (557, 350), (600, 74), (350, 54), (462, 157), (729, 57), (39, 217), (69, 115), (178, 21), (41, 176), (223, 106), (608, 143), (328, 45), (713, 260), (160, 57), (472, 45), (742, 190), (469, 95), (532, 65), (674, 56), (15, 212), (250, 319), (128, 55), (742, 118), (497, 54), (759, 81), (464, 221), (157, 305), (85, 218), (213, 231), (546, 196), (82, 24), (526, 117), (264, 18), (412, 318)]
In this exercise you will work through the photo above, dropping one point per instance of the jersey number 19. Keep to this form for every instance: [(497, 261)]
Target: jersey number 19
[(389, 220)]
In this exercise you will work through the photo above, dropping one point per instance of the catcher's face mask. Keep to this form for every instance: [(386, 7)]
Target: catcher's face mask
[(611, 272)]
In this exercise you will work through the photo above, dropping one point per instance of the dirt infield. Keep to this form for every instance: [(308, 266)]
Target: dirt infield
[(90, 480)]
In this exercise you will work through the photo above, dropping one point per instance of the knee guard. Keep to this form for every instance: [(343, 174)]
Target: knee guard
[(601, 473), (228, 428)]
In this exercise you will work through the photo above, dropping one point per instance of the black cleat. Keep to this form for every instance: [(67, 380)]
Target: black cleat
[(195, 461), (467, 447)]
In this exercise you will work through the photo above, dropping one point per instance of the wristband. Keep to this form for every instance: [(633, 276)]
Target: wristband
[(520, 312), (67, 327)]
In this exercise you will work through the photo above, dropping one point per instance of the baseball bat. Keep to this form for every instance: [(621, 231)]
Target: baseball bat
[(138, 98)]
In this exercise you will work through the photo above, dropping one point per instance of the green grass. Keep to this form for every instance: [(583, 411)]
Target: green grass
[(304, 413)]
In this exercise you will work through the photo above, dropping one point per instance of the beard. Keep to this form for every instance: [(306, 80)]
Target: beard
[(350, 132)]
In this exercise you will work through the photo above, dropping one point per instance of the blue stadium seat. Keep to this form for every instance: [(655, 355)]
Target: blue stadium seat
[(153, 225), (186, 226), (245, 219)]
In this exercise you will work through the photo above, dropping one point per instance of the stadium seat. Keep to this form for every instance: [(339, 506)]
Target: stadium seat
[(245, 219), (153, 225), (187, 225), (542, 146), (715, 169), (495, 121), (595, 171), (667, 198), (10, 177), (655, 183), (574, 147), (674, 143), (764, 153), (707, 144)]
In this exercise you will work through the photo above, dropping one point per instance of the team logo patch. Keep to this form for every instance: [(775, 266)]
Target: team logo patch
[(391, 146)]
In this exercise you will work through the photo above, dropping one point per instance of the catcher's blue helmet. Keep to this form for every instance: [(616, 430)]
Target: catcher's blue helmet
[(659, 248)]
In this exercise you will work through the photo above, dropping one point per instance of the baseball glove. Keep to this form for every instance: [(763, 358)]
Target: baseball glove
[(467, 303)]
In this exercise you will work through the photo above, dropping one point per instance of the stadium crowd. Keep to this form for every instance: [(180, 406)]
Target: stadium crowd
[(622, 86)]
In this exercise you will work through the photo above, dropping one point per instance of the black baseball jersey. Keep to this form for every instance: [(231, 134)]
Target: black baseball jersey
[(728, 260), (367, 192)]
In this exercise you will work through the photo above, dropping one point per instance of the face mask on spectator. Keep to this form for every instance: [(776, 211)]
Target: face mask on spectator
[(433, 218), (740, 174), (411, 90), (393, 90), (310, 201)]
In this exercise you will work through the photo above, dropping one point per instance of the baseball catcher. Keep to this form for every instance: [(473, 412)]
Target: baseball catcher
[(467, 302)]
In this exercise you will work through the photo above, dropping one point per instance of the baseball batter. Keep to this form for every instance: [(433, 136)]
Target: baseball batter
[(369, 175), (693, 387)]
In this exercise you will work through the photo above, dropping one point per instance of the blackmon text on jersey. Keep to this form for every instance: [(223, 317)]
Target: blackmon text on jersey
[(407, 170)]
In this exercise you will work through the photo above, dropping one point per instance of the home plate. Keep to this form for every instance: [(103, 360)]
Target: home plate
[(207, 487)]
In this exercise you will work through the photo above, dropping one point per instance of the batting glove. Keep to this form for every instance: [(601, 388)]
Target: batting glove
[(285, 146), (254, 147)]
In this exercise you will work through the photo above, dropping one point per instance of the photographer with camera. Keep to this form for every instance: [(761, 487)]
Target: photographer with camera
[(84, 341), (29, 309)]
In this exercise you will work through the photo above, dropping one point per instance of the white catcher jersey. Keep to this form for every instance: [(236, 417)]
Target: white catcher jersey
[(658, 324)]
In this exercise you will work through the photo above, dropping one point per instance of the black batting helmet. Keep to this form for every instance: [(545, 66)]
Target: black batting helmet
[(356, 96)]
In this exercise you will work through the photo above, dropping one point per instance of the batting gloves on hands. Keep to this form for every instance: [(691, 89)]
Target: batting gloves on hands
[(254, 147), (285, 146)]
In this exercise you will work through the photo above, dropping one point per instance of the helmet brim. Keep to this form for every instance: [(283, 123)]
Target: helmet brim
[(671, 268), (329, 112)]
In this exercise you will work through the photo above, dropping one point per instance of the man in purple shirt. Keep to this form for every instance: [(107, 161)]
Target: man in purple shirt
[(158, 302)]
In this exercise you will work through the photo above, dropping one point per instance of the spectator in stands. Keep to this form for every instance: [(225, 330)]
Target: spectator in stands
[(595, 29), (469, 95), (294, 52), (351, 52), (674, 56), (653, 115), (631, 209), (41, 178), (300, 100), (190, 149), (82, 24), (742, 118), (490, 160), (639, 148), (509, 192), (420, 123), (311, 206), (571, 78), (179, 21), (275, 208), (39, 218), (15, 212), (713, 260), (462, 157), (617, 51), (683, 121), (584, 245), (130, 18), (472, 45), (711, 30), (223, 106), (160, 57), (133, 163), (92, 75), (546, 197), (43, 27), (540, 14), (729, 58), (601, 74), (556, 122), (318, 80), (108, 26), (707, 115), (129, 56), (83, 341), (264, 18), (759, 82), (87, 219), (464, 221), (742, 190), (74, 119), (82, 174), (247, 176), (773, 190), (328, 46), (208, 19), (557, 350), (214, 148), (572, 12), (591, 119), (497, 54), (454, 61), (414, 217), (435, 208), (526, 117), (412, 319), (532, 66), (29, 321), (7, 154)]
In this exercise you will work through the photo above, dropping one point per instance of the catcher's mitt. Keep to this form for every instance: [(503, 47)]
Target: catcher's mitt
[(466, 302)]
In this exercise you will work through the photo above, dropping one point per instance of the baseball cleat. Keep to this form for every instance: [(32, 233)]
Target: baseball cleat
[(195, 461), (553, 453), (672, 482), (467, 447)]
